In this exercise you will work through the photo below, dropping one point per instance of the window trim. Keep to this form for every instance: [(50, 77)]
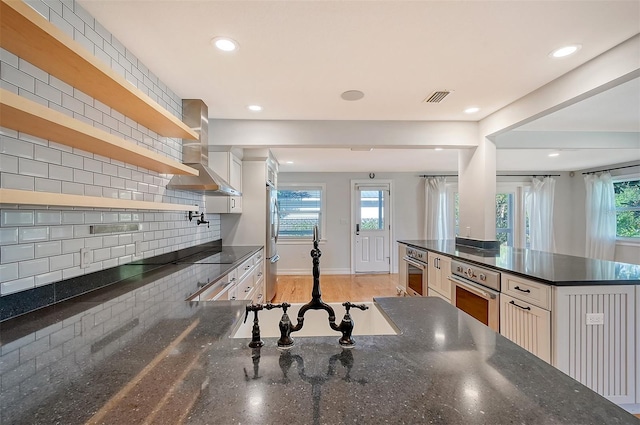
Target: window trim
[(620, 240), (293, 240)]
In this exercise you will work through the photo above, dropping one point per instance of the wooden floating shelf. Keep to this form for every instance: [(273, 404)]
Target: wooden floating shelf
[(26, 197), (25, 33), (27, 116)]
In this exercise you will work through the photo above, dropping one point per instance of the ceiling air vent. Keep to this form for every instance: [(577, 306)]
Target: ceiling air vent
[(437, 96)]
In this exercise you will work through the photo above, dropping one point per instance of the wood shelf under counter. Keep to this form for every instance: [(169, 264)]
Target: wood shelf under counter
[(26, 197), (28, 35), (27, 116)]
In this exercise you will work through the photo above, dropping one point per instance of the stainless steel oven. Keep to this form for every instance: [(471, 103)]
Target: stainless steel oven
[(416, 272), (476, 291)]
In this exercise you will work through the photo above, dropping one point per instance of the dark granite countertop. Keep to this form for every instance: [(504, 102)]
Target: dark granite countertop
[(549, 268), (143, 355)]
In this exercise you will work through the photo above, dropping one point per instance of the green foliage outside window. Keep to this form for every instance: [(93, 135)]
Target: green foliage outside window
[(627, 194)]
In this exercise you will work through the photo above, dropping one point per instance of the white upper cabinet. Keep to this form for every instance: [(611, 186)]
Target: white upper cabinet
[(229, 167)]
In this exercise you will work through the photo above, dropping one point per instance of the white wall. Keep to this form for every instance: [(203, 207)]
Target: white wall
[(407, 220)]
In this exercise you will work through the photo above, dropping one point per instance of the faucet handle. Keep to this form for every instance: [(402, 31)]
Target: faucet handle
[(347, 305), (251, 307), (283, 306)]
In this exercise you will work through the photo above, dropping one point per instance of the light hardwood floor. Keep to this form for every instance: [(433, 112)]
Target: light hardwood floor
[(336, 288)]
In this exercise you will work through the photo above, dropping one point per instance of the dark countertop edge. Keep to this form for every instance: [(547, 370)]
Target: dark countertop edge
[(524, 275), (21, 325)]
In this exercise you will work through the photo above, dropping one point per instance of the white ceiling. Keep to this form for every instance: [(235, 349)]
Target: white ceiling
[(297, 57)]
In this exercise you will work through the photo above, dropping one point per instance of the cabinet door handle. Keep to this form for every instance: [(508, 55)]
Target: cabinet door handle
[(233, 203), (528, 291), (519, 306)]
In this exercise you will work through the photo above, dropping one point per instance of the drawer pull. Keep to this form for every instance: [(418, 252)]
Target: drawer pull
[(248, 289), (260, 274), (528, 291), (519, 306), (247, 267)]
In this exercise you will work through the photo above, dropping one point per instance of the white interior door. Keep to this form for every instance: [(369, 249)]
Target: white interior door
[(372, 227)]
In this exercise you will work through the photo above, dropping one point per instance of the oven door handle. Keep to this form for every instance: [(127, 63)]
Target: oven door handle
[(414, 263), (485, 293)]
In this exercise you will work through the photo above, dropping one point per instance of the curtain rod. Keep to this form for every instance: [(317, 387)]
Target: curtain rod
[(497, 175), (527, 175), (611, 169)]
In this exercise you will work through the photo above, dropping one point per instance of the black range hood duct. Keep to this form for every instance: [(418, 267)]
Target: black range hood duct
[(195, 114)]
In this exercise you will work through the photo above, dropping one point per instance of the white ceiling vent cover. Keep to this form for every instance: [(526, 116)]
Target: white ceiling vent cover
[(437, 96)]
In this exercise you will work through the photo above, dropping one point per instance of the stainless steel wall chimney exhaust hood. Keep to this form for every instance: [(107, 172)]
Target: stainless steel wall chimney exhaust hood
[(195, 114)]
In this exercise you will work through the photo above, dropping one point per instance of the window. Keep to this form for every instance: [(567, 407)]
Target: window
[(301, 209), (627, 196), (504, 218)]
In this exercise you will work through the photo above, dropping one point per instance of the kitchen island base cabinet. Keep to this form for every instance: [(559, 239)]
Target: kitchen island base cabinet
[(527, 325), (439, 272), (595, 337)]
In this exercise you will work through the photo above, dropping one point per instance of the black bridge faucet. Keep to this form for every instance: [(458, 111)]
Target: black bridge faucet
[(316, 303)]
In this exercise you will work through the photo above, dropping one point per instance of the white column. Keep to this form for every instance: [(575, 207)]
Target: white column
[(477, 191)]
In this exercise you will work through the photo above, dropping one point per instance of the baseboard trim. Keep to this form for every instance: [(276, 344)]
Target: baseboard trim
[(308, 272)]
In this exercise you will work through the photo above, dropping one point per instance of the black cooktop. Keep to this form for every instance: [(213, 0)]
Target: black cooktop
[(214, 255)]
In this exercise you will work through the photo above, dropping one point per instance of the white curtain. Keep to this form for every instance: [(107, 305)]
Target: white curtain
[(540, 211), (601, 217), (438, 218)]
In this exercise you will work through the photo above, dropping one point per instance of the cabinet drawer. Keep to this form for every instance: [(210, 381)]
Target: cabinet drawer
[(244, 268), (536, 293), (258, 257)]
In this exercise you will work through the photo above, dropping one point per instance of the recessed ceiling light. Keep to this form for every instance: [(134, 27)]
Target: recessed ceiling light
[(554, 154), (471, 110), (361, 149), (352, 95), (225, 44), (289, 162), (438, 149), (565, 51), (254, 108)]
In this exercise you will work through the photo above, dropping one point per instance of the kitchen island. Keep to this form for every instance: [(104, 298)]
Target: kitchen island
[(579, 314), (144, 355)]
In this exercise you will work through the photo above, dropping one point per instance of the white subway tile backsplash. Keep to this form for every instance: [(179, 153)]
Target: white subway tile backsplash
[(47, 278), (72, 245), (33, 234), (16, 285), (16, 218), (13, 253), (33, 267), (30, 167), (61, 262), (48, 249), (8, 272), (57, 168)]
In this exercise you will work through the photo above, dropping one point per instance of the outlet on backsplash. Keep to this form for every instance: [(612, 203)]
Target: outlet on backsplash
[(86, 257)]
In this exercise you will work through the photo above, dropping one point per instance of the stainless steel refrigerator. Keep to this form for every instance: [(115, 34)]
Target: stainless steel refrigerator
[(272, 257)]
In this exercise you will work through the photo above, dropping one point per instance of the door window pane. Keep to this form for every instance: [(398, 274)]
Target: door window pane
[(504, 218), (372, 209)]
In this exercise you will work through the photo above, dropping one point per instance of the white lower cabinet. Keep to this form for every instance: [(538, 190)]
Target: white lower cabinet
[(527, 325), (439, 270), (245, 282)]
